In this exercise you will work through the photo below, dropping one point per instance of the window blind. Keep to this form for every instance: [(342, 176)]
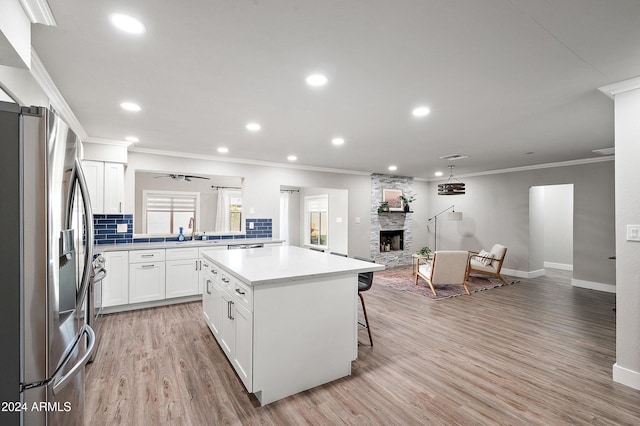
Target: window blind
[(171, 203)]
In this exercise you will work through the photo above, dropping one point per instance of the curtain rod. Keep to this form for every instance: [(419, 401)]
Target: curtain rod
[(225, 187)]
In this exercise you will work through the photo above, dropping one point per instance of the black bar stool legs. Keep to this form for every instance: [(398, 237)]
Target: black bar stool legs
[(366, 319)]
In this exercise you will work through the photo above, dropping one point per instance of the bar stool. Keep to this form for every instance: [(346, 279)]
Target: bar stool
[(365, 281)]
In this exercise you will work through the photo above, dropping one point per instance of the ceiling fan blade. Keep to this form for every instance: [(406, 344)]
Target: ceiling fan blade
[(196, 177)]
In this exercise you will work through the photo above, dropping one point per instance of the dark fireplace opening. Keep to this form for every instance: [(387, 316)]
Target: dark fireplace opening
[(391, 240)]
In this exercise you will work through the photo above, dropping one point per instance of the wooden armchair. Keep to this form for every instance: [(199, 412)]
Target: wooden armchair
[(489, 264), (447, 267)]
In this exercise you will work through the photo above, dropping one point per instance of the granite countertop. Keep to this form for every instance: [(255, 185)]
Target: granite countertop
[(285, 263), (219, 243)]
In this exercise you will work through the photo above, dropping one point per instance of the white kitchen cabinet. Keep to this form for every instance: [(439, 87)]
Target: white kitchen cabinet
[(242, 355), (113, 188), (115, 286), (94, 175), (106, 186), (228, 310), (182, 272), (146, 276)]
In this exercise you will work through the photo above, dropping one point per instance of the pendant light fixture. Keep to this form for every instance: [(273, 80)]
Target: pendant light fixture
[(452, 186)]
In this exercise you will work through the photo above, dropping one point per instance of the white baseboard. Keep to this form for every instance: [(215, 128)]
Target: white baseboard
[(626, 377), (522, 274), (609, 288), (561, 266)]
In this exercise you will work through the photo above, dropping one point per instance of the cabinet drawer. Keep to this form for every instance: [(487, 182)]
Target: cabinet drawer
[(243, 294), (182, 253), (212, 271), (139, 256), (226, 283)]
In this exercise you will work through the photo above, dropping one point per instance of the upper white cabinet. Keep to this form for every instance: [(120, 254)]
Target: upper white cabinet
[(113, 188), (106, 186)]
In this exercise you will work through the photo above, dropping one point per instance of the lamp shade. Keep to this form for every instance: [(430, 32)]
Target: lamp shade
[(454, 215)]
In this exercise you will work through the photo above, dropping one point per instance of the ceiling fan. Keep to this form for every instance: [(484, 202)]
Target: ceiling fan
[(175, 176)]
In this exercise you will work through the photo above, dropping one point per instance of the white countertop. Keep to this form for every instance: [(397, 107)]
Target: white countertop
[(285, 263), (100, 248)]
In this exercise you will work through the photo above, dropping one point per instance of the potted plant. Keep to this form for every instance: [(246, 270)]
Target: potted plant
[(383, 207), (406, 201), (424, 251)]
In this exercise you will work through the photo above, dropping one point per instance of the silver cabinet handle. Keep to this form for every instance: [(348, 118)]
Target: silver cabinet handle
[(226, 280), (147, 255), (215, 272), (148, 266), (208, 289), (120, 206), (240, 292), (231, 303)]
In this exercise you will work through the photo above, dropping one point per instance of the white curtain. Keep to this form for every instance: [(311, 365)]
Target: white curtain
[(284, 217), (222, 211)]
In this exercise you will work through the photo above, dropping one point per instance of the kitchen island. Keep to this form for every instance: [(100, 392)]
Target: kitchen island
[(286, 317)]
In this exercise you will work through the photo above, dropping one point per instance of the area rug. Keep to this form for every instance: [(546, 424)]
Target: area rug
[(402, 278)]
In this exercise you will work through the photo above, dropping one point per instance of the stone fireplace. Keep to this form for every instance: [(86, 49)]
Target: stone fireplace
[(390, 228)]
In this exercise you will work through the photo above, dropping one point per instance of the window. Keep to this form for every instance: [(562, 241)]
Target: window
[(316, 212), (165, 212)]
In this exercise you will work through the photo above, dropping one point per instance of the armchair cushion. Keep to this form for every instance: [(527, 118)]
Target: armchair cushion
[(484, 257)]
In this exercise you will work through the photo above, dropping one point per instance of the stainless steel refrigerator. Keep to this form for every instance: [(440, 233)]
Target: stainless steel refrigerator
[(46, 239)]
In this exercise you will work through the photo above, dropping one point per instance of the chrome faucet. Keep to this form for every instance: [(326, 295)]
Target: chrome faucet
[(192, 226)]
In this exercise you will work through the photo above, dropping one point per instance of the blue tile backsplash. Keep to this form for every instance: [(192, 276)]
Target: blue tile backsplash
[(105, 230)]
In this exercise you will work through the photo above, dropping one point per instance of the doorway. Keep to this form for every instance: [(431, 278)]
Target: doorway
[(551, 230)]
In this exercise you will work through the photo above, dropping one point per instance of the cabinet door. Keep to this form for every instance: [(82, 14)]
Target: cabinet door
[(243, 351), (146, 282), (115, 286), (113, 188), (216, 308), (94, 175), (182, 278), (227, 333)]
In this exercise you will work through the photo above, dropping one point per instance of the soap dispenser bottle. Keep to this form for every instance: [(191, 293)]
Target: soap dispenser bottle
[(181, 235), (204, 236)]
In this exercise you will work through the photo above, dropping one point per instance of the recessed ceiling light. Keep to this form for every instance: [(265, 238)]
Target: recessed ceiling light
[(420, 111), (127, 23), (292, 158), (130, 106), (253, 127), (337, 141), (316, 80), (438, 173), (132, 139), (393, 168), (223, 150)]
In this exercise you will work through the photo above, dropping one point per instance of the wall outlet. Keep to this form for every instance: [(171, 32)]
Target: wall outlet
[(121, 228), (251, 225)]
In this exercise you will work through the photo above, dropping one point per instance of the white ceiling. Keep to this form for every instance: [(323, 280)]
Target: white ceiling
[(509, 82)]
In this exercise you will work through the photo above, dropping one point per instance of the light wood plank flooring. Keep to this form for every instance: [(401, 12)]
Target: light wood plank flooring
[(534, 353)]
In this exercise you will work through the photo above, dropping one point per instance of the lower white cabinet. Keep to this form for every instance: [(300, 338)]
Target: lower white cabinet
[(147, 276), (182, 272), (115, 286), (227, 306)]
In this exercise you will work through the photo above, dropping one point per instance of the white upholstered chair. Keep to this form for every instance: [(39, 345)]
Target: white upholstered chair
[(447, 267), (490, 263)]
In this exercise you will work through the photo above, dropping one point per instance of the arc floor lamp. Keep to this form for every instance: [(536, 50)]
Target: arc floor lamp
[(452, 215)]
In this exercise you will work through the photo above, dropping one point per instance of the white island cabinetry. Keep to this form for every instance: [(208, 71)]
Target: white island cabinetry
[(276, 329)]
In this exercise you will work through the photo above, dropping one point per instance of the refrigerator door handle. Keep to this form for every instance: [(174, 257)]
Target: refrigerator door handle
[(60, 382), (88, 230)]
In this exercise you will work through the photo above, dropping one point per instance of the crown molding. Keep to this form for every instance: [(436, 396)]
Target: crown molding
[(104, 141), (245, 161), (534, 167), (56, 100), (38, 12), (612, 90)]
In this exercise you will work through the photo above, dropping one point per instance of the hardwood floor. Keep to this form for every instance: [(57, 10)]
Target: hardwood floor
[(534, 353)]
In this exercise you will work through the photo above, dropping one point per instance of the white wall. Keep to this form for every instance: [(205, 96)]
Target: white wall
[(536, 230), (627, 143)]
